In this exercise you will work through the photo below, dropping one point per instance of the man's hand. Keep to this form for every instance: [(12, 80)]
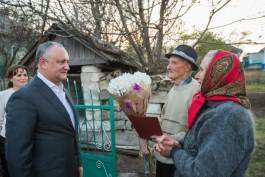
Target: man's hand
[(80, 172), (164, 150), (166, 140), (164, 144)]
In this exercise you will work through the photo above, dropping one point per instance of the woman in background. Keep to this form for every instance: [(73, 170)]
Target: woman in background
[(220, 137), (17, 77)]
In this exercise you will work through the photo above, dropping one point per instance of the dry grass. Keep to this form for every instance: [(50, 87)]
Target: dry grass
[(255, 88), (255, 77), (256, 83)]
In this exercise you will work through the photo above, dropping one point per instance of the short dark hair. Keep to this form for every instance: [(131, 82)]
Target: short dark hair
[(12, 71), (44, 48)]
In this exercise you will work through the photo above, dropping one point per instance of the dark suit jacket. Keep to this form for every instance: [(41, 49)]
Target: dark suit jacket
[(40, 138)]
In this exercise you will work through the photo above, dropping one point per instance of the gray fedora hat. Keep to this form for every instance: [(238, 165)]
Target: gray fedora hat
[(187, 53)]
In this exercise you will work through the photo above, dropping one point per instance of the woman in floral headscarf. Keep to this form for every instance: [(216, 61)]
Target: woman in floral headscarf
[(220, 139)]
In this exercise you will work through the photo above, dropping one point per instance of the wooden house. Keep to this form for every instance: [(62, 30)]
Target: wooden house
[(82, 51), (91, 60)]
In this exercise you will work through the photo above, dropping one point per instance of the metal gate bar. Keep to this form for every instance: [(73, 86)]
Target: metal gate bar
[(98, 151)]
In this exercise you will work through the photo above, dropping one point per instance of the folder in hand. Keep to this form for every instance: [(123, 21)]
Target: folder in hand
[(146, 126)]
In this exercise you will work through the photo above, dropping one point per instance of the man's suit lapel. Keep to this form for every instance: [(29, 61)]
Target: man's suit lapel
[(70, 101), (51, 97)]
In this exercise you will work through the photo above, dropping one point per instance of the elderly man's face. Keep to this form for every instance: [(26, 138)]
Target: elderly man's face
[(178, 68), (55, 66)]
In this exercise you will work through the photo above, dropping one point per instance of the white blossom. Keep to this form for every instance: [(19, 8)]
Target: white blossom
[(122, 84)]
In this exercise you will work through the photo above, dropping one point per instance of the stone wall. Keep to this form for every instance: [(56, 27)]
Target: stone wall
[(126, 139)]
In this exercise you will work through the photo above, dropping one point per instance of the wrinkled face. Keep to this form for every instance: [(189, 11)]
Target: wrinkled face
[(177, 68), (55, 65), (202, 71), (20, 79)]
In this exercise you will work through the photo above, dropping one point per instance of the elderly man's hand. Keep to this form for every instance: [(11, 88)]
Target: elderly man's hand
[(164, 144), (166, 140), (167, 151)]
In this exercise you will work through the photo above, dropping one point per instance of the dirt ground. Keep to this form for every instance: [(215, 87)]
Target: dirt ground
[(132, 164)]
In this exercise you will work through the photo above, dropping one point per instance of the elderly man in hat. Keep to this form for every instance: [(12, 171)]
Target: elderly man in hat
[(182, 61)]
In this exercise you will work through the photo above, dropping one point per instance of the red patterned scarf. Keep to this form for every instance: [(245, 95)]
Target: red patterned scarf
[(224, 80)]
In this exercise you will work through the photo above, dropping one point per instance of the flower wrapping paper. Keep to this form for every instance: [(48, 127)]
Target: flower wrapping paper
[(135, 101), (132, 92)]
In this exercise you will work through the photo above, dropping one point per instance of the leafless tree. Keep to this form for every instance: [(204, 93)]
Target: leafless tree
[(145, 29), (15, 35)]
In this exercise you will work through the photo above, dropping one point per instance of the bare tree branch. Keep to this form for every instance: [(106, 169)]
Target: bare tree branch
[(145, 29), (215, 9), (236, 21)]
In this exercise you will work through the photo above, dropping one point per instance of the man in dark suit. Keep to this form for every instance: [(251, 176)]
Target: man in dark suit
[(41, 128)]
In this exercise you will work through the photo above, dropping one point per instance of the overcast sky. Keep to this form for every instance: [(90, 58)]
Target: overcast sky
[(235, 10)]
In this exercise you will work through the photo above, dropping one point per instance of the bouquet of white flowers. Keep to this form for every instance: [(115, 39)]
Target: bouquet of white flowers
[(132, 92)]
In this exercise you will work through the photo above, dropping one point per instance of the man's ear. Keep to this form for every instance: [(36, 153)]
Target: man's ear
[(42, 62), (188, 66)]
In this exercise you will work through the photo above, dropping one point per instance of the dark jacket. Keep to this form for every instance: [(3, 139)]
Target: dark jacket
[(40, 138)]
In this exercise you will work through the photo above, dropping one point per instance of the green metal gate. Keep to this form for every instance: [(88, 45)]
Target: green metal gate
[(96, 135)]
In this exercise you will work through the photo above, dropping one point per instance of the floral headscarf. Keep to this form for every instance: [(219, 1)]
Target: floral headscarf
[(224, 80)]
